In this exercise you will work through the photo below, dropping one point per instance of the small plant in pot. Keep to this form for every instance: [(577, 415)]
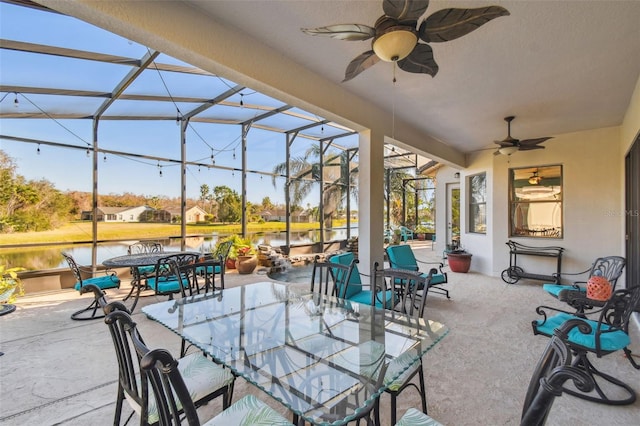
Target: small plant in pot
[(246, 260), (10, 288)]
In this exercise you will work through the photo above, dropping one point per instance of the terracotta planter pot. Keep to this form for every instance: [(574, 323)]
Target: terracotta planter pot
[(230, 263), (246, 264), (459, 262)]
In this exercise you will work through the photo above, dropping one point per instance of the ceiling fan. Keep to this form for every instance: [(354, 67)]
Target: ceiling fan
[(535, 178), (510, 145), (396, 34)]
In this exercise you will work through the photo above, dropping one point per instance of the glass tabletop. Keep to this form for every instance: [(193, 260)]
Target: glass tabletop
[(324, 358)]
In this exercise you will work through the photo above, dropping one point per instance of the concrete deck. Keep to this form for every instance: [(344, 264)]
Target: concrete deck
[(58, 371)]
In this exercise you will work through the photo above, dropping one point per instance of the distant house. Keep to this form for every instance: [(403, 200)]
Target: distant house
[(280, 215), (116, 214), (192, 214)]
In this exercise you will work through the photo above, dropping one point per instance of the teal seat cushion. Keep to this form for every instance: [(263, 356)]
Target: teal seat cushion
[(146, 270), (555, 289), (164, 285), (402, 257), (105, 282), (355, 284), (612, 341), (364, 297), (210, 269)]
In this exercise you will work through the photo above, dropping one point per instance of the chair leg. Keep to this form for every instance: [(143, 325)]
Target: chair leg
[(423, 390), (228, 397), (393, 408), (119, 401), (581, 361), (92, 308)]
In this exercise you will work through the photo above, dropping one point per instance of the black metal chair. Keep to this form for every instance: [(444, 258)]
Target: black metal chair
[(175, 404), (107, 281), (410, 294), (609, 267), (166, 281), (330, 278), (219, 255), (607, 334), (204, 380), (140, 273)]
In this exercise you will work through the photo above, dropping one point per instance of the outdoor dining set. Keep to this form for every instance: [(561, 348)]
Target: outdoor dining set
[(327, 351)]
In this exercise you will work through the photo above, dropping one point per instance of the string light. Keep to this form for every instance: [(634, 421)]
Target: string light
[(159, 169), (104, 159), (241, 99), (178, 117), (234, 153), (16, 103), (38, 150), (213, 158), (88, 153)]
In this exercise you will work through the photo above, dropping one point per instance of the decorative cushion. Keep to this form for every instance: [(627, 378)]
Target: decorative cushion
[(201, 376), (555, 289), (248, 411), (355, 284), (610, 342), (105, 282), (414, 417), (598, 288)]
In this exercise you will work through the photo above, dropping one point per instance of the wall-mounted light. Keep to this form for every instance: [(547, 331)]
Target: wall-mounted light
[(456, 175)]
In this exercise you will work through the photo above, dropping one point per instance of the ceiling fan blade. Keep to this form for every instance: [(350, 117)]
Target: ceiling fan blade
[(531, 142), (506, 143), (530, 147), (420, 60), (449, 24), (349, 32), (359, 64), (405, 9)]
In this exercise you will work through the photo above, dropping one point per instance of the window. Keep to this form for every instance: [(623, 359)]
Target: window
[(478, 203), (535, 208)]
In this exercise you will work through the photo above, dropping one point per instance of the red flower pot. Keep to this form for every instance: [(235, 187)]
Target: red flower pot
[(459, 262)]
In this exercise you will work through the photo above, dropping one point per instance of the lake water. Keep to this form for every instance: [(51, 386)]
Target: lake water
[(49, 257)]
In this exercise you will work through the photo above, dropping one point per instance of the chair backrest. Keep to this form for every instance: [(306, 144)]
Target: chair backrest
[(196, 277), (549, 375), (616, 313), (410, 287), (402, 257), (75, 269), (169, 389), (354, 285), (130, 349), (167, 266), (145, 247), (222, 250), (609, 267), (328, 278)]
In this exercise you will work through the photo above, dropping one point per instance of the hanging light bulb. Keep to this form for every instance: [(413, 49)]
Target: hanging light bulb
[(213, 158), (104, 159), (160, 171), (38, 150), (234, 153), (322, 129), (178, 117), (16, 103), (88, 153), (241, 99)]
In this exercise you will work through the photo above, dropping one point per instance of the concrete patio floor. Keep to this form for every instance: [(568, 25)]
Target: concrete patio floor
[(58, 371)]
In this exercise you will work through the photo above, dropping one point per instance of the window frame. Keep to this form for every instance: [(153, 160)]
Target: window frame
[(556, 230), (475, 207)]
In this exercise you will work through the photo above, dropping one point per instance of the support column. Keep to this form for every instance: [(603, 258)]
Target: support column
[(371, 200)]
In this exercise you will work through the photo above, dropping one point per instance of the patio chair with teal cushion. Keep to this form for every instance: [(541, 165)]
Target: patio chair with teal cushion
[(354, 290), (167, 280), (402, 257), (606, 333), (220, 254), (609, 267), (103, 282), (406, 234)]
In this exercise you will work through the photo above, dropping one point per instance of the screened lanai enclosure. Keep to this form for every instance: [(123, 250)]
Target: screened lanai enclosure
[(98, 130)]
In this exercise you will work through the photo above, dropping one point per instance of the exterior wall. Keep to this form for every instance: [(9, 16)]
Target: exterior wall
[(592, 194)]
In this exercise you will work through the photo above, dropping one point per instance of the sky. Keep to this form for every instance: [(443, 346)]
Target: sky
[(71, 169)]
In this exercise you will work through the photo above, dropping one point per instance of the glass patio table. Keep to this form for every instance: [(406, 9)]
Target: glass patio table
[(324, 358)]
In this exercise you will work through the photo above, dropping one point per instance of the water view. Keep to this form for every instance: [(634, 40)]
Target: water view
[(49, 257)]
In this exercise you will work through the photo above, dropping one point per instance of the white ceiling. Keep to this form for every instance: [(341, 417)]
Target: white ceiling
[(558, 66)]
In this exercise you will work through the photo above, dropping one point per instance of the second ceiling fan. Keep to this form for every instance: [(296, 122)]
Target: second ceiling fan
[(509, 145)]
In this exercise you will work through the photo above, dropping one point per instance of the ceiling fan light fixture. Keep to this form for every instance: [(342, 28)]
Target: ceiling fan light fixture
[(508, 150), (535, 179), (395, 44)]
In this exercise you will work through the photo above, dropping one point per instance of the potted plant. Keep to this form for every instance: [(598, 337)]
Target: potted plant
[(459, 260), (246, 260), (10, 288), (237, 243), (421, 232)]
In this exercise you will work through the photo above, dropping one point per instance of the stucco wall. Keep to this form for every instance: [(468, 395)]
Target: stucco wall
[(593, 195)]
